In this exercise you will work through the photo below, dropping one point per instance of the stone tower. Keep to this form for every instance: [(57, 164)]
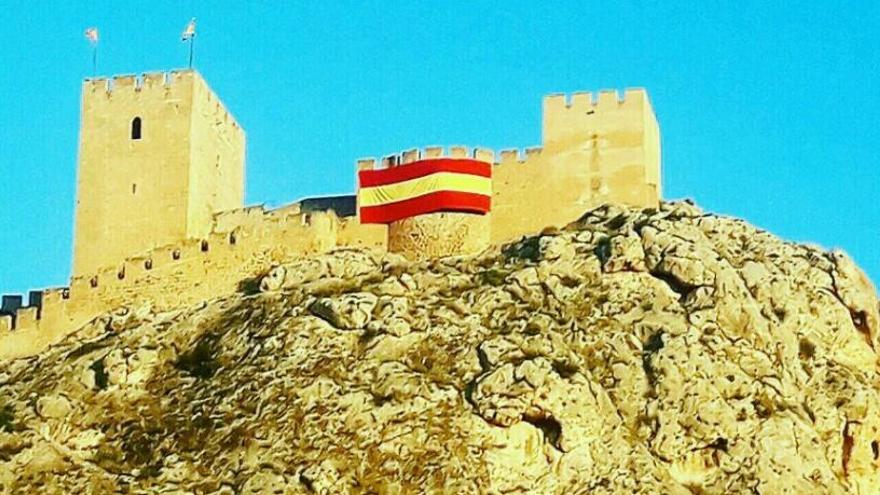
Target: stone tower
[(158, 156)]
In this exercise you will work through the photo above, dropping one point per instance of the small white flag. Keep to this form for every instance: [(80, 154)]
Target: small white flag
[(189, 32), (92, 35)]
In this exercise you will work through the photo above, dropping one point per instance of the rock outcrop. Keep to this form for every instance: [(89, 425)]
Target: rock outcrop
[(636, 351)]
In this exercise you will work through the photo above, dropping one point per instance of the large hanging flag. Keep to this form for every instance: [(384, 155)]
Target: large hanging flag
[(427, 186), (91, 34), (189, 32)]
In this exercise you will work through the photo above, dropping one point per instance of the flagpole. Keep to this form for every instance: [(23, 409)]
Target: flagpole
[(189, 34), (95, 60), (192, 42)]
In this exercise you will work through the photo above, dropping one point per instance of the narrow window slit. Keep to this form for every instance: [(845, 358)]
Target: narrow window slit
[(136, 128)]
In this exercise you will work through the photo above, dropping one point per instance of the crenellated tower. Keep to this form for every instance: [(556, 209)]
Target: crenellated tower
[(596, 149), (159, 155)]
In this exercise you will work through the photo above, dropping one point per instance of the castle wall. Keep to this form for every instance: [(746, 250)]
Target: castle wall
[(217, 157), (595, 152), (171, 276)]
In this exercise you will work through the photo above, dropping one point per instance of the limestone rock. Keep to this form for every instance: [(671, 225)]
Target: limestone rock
[(635, 351), (349, 311)]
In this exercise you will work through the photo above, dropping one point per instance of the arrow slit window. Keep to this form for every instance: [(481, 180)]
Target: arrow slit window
[(136, 128)]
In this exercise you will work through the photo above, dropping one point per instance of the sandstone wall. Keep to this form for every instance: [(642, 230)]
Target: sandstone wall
[(172, 276), (598, 151)]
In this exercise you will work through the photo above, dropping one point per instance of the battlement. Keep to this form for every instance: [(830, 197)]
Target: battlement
[(173, 84), (606, 100), (415, 154), (138, 82), (16, 314), (166, 277), (602, 121)]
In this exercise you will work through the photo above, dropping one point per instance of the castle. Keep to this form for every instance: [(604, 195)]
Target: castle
[(160, 219)]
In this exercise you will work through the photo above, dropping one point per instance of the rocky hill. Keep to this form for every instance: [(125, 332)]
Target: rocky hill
[(636, 351)]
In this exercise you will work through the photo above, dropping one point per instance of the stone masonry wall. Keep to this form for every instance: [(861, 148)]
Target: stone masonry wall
[(171, 276)]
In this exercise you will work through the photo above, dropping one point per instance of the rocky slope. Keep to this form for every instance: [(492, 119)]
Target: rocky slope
[(656, 351)]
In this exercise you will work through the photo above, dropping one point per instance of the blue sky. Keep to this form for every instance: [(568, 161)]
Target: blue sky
[(769, 113)]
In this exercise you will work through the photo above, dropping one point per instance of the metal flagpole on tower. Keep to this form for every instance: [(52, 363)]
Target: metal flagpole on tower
[(92, 35), (192, 44), (189, 34)]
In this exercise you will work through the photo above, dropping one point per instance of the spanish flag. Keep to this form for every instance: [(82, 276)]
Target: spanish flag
[(427, 186)]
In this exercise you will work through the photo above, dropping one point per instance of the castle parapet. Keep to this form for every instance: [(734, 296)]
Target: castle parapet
[(428, 152), (570, 121), (137, 82), (165, 278), (40, 305)]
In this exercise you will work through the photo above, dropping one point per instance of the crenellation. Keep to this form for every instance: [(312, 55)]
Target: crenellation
[(5, 323), (124, 81), (433, 152), (80, 288), (54, 296), (533, 152), (143, 82), (581, 101), (96, 84), (26, 318), (555, 102), (155, 79), (226, 221), (189, 249), (608, 100), (366, 164), (484, 155), (410, 156), (415, 154), (634, 98), (458, 151), (221, 241), (586, 102), (163, 256), (519, 156), (390, 161), (179, 75), (135, 268), (509, 156)]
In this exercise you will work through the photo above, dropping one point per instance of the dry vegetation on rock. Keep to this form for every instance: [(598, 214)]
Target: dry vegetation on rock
[(655, 351)]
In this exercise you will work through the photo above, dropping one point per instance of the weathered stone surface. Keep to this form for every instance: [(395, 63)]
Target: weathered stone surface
[(656, 351)]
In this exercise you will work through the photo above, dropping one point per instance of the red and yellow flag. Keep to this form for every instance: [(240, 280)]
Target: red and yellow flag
[(427, 186)]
